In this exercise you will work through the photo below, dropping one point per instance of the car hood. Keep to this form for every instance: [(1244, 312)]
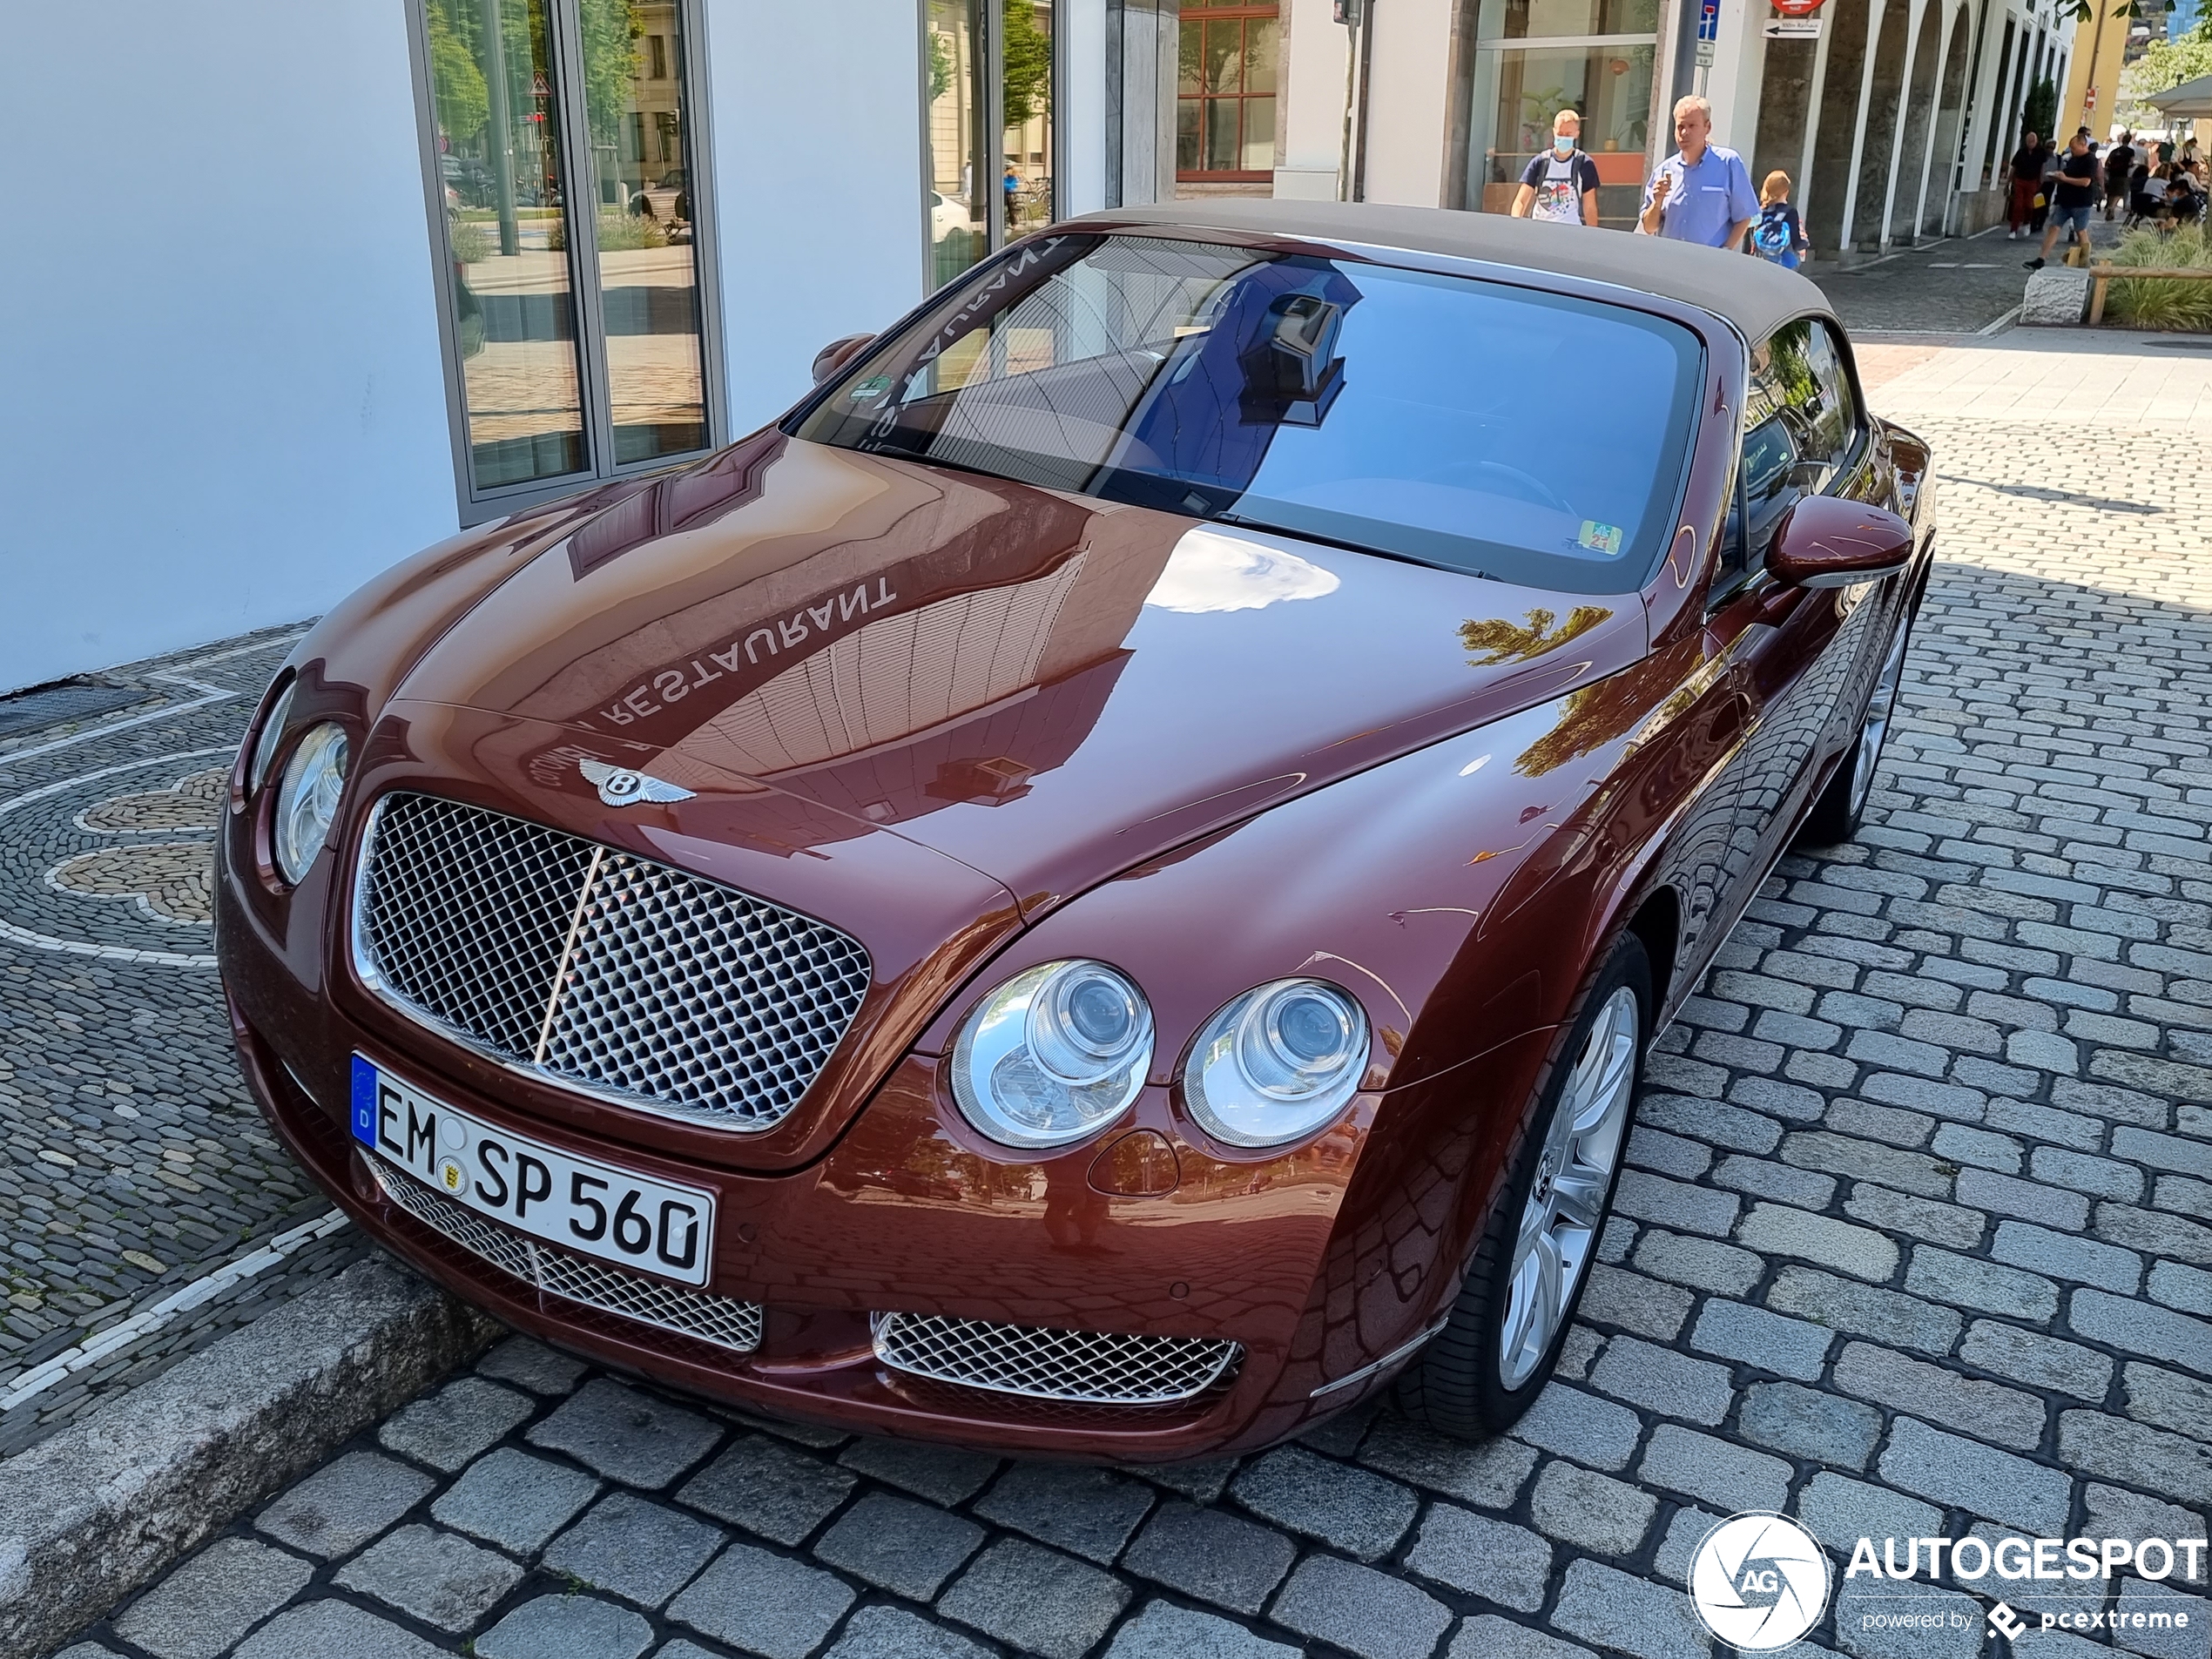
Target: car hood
[(1048, 688)]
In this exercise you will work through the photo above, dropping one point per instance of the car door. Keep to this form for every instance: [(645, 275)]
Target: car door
[(1793, 651)]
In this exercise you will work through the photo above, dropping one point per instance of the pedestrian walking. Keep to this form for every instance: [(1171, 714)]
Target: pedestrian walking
[(2044, 188), (2026, 174), (2120, 167), (2073, 188), (1778, 236), (1702, 193), (1560, 186)]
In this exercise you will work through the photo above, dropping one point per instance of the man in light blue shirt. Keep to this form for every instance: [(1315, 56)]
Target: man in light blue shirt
[(1701, 193)]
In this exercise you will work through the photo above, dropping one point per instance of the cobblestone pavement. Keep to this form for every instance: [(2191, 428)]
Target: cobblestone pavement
[(142, 1195), (1956, 285), (1917, 1239)]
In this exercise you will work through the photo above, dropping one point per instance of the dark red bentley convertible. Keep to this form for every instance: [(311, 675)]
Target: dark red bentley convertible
[(1103, 887)]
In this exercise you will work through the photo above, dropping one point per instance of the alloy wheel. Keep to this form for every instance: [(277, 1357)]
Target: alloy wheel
[(1876, 726), (1566, 1203)]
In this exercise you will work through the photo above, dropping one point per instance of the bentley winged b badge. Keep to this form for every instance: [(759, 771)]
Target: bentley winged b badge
[(620, 787)]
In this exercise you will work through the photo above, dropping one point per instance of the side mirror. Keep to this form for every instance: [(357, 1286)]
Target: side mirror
[(837, 353), (1823, 542)]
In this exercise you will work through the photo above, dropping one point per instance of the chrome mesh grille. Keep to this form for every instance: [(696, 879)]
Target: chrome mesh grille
[(1044, 1364), (722, 1320), (595, 967)]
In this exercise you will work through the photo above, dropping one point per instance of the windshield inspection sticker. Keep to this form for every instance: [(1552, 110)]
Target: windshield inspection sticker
[(874, 386), (1600, 538)]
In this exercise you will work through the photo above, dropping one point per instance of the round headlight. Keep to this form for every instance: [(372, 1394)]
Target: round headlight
[(1277, 1063), (1053, 1055), (265, 745), (307, 799)]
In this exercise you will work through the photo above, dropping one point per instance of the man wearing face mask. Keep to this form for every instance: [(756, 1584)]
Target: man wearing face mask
[(1561, 184)]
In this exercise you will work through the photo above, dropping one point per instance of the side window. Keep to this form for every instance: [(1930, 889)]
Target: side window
[(1774, 467), (1838, 420), (1800, 427)]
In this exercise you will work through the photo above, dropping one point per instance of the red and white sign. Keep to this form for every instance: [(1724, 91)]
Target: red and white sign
[(1796, 8)]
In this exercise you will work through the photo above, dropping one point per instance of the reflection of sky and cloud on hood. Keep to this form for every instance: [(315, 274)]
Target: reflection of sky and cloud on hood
[(1211, 571)]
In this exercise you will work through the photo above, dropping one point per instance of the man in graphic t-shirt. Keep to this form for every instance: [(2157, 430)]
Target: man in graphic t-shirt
[(1560, 184)]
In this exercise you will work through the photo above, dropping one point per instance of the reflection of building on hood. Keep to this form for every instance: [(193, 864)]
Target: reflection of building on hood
[(882, 689)]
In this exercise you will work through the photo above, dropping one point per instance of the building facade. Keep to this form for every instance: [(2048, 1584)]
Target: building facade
[(1894, 118), (405, 265)]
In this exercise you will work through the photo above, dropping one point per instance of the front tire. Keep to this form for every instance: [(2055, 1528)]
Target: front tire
[(1841, 807), (1517, 1298)]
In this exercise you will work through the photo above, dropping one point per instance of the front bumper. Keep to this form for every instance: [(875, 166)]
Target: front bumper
[(898, 1218)]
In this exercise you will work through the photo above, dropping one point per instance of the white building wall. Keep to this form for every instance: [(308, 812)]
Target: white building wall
[(222, 400), (818, 182), (1312, 101), (1736, 80), (1408, 99)]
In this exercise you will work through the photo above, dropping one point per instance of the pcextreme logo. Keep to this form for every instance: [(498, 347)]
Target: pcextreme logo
[(1759, 1582)]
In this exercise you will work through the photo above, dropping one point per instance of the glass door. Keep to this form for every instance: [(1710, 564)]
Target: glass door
[(1533, 59), (566, 203)]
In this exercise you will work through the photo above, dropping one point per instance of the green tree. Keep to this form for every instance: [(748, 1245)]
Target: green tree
[(1029, 63), (2040, 108), (611, 28), (457, 85), (940, 66), (2164, 65)]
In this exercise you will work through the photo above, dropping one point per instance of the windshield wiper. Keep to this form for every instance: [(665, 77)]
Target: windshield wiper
[(1247, 522)]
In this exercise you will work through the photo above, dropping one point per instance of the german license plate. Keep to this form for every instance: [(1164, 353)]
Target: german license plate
[(579, 1203)]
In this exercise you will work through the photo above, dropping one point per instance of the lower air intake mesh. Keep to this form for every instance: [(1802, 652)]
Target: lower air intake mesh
[(1042, 1364)]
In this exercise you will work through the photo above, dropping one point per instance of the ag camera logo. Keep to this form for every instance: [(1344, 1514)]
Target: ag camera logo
[(1759, 1582)]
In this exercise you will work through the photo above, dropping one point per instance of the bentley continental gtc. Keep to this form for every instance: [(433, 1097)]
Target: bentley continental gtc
[(1101, 887)]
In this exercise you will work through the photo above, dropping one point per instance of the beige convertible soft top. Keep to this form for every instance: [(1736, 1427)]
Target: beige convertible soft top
[(1753, 295)]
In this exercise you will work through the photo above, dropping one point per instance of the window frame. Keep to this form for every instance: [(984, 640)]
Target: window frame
[(480, 506), (1246, 12)]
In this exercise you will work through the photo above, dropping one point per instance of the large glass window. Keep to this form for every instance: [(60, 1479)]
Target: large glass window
[(1225, 112), (567, 191), (990, 67), (1533, 59), (1412, 415)]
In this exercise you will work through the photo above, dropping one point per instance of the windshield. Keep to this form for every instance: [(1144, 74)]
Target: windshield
[(1468, 424)]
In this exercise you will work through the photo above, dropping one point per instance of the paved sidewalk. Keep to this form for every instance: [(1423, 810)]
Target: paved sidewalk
[(1954, 286), (1917, 1239), (144, 1209), (2104, 383)]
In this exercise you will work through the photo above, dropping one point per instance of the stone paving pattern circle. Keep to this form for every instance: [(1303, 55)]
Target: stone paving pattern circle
[(136, 1162), (1916, 1240)]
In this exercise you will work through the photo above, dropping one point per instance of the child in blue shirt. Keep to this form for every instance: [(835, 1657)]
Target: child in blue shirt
[(1776, 234)]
